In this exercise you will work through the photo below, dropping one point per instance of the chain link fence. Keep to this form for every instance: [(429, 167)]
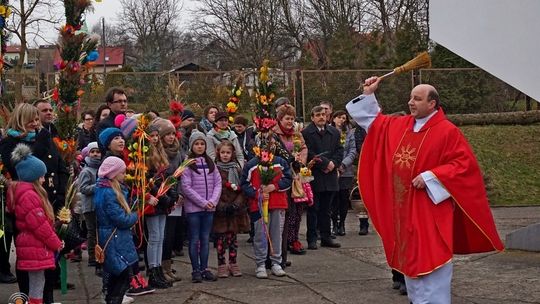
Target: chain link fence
[(461, 90)]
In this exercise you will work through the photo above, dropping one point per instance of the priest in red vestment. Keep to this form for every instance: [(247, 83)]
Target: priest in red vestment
[(423, 190)]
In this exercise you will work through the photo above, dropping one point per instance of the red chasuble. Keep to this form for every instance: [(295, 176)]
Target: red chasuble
[(418, 235)]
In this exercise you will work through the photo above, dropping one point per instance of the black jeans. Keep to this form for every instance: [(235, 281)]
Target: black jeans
[(340, 206), (90, 222), (318, 216), (117, 287)]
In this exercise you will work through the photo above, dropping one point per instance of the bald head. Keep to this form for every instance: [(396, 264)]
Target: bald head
[(432, 94), (424, 100)]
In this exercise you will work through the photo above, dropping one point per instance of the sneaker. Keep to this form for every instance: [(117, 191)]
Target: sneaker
[(127, 300), (196, 277), (139, 291), (207, 275), (137, 288), (260, 272), (278, 271), (223, 271)]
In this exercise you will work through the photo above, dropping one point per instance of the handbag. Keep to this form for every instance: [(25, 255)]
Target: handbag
[(297, 191), (100, 252), (71, 235)]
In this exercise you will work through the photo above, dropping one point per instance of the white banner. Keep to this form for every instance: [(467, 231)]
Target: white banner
[(500, 36)]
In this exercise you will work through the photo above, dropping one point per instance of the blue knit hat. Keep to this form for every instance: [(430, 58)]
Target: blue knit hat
[(107, 135), (29, 168)]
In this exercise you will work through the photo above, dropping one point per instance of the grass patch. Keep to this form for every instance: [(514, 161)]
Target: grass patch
[(510, 160)]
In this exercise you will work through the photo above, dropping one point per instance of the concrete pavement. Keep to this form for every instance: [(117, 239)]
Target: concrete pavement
[(355, 273)]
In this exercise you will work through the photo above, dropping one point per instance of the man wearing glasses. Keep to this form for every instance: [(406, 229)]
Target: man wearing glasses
[(117, 101)]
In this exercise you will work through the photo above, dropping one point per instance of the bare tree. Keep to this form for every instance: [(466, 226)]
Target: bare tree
[(29, 16), (388, 16), (243, 32), (152, 27)]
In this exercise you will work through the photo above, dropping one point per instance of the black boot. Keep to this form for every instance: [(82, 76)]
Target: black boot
[(154, 280), (162, 277), (341, 228), (334, 228), (364, 225)]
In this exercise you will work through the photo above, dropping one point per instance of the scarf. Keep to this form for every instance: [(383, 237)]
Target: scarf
[(286, 132), (206, 124), (92, 162), (232, 169), (222, 134), (26, 136), (172, 150)]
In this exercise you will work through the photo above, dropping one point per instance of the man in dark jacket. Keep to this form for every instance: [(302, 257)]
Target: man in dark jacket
[(45, 149), (323, 142)]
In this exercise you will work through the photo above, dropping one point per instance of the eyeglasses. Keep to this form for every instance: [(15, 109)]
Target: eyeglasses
[(120, 101)]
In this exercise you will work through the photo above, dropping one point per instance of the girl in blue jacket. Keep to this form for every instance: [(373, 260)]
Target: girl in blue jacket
[(114, 221)]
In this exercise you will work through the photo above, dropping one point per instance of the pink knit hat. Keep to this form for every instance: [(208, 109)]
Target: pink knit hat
[(111, 167)]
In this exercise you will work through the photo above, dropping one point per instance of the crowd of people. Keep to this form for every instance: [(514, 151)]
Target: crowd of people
[(222, 188), (217, 198)]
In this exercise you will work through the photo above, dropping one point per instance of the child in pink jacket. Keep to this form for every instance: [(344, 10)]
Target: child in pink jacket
[(36, 242)]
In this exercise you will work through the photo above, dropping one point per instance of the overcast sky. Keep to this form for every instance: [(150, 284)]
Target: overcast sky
[(109, 10)]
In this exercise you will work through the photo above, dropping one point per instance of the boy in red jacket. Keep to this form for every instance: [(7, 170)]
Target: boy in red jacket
[(265, 181)]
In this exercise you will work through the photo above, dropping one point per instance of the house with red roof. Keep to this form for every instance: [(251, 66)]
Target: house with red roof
[(12, 54)]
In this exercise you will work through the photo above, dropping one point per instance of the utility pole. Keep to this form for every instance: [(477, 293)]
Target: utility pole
[(103, 43)]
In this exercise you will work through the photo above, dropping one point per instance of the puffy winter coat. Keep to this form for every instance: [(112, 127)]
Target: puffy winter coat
[(87, 184), (120, 252), (199, 188), (252, 182), (36, 242)]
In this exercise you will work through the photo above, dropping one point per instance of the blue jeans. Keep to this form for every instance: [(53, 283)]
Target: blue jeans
[(200, 225), (156, 232)]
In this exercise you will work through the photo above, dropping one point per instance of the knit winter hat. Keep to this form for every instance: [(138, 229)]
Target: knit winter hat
[(126, 124), (195, 135), (84, 152), (221, 115), (92, 145), (111, 167), (29, 168), (187, 114), (163, 126), (107, 135)]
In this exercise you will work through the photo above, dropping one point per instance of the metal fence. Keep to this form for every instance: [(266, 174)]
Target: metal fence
[(461, 90)]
